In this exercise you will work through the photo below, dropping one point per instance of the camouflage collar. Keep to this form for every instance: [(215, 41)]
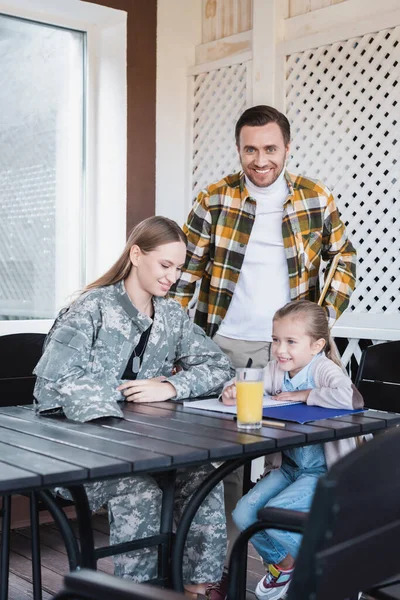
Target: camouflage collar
[(142, 321)]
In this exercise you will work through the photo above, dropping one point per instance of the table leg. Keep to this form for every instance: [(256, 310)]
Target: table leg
[(247, 485), (237, 579), (62, 523), (192, 507), (35, 544), (167, 483), (90, 555), (84, 515), (5, 547)]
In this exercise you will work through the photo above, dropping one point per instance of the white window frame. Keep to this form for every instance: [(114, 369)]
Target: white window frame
[(105, 163)]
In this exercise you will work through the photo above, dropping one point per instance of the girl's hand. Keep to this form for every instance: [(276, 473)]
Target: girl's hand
[(147, 390), (300, 395), (229, 395)]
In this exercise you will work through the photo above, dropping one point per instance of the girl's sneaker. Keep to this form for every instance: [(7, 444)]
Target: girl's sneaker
[(274, 585)]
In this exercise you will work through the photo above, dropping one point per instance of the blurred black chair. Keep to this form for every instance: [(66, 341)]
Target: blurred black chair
[(378, 376), (93, 585), (20, 352), (351, 533), (388, 591)]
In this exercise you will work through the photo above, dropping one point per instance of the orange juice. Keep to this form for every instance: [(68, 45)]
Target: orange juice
[(249, 396)]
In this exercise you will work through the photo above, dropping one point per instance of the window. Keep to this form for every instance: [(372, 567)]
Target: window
[(62, 153), (41, 166)]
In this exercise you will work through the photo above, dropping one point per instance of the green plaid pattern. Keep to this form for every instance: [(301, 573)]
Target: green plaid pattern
[(218, 230)]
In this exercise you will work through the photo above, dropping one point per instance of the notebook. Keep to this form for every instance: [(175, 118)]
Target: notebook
[(215, 405), (302, 413)]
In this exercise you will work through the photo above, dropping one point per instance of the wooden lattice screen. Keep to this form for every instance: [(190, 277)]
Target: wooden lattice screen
[(343, 103), (342, 100), (220, 97)]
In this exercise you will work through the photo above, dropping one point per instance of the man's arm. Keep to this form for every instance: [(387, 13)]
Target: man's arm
[(334, 241), (198, 233)]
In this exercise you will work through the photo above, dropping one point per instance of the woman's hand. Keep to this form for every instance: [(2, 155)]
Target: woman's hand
[(229, 395), (300, 395), (147, 390)]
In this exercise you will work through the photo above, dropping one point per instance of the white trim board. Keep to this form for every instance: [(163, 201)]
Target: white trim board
[(381, 326), (228, 46), (336, 16), (65, 13), (222, 62), (340, 33), (26, 326)]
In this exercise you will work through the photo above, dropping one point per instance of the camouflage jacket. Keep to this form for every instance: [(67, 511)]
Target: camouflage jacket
[(89, 345)]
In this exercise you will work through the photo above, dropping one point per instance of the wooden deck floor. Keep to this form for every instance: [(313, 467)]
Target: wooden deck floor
[(55, 564)]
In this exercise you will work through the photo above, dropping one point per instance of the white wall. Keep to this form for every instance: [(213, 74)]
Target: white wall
[(178, 32)]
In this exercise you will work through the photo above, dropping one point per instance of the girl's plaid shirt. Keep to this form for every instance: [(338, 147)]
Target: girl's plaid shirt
[(218, 230)]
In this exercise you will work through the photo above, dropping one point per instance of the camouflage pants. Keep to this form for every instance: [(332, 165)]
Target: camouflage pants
[(134, 505)]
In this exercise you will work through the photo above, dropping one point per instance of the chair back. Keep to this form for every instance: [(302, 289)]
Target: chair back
[(20, 352), (94, 585), (378, 376), (353, 527)]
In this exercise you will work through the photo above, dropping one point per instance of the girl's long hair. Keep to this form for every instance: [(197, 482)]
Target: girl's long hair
[(316, 321), (148, 235)]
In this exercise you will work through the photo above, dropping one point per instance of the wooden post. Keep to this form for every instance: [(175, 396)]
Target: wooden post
[(268, 31)]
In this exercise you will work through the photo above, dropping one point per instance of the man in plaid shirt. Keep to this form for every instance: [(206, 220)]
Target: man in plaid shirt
[(255, 240)]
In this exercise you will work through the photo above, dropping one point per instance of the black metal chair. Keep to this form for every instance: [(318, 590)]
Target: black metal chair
[(378, 376), (351, 534), (92, 585), (20, 352)]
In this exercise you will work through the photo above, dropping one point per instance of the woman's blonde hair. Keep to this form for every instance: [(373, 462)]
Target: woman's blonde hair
[(316, 320), (148, 235)]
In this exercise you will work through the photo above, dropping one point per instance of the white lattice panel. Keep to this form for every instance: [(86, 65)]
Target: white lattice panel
[(343, 103), (219, 99)]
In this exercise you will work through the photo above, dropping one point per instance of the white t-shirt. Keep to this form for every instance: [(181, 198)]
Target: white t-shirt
[(263, 284)]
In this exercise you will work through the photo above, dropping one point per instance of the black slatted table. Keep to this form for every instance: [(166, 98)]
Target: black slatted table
[(42, 452), (219, 424)]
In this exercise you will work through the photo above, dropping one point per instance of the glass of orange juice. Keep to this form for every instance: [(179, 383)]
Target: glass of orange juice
[(249, 397)]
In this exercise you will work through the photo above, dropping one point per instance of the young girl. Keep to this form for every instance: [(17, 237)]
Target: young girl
[(120, 340), (304, 369)]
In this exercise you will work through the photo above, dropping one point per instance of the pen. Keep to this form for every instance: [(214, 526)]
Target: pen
[(273, 423)]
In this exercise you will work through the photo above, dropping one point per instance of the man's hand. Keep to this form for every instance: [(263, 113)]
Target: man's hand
[(147, 390), (300, 395), (229, 395)]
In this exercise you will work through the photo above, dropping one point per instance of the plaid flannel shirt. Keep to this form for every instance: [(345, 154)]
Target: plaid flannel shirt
[(218, 230)]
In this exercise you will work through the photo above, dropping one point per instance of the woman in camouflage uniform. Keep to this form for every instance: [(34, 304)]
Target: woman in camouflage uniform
[(121, 340)]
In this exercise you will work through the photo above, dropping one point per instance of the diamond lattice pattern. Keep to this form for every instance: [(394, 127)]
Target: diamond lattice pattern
[(343, 103), (219, 100)]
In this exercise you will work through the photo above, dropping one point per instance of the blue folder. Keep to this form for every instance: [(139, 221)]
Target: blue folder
[(302, 413)]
